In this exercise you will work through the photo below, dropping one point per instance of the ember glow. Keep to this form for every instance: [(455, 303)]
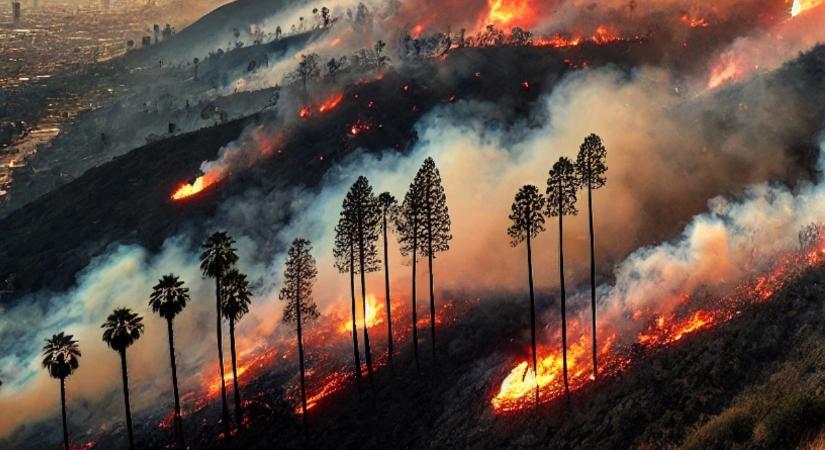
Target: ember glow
[(517, 390)]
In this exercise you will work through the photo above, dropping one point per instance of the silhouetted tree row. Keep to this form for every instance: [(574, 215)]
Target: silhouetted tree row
[(564, 181)]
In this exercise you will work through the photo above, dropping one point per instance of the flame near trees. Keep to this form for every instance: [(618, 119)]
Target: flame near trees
[(516, 391)]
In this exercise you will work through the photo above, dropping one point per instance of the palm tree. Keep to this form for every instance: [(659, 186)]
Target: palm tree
[(236, 300), (60, 357), (528, 221), (168, 299), (562, 185), (590, 168), (121, 329), (217, 258), (388, 205)]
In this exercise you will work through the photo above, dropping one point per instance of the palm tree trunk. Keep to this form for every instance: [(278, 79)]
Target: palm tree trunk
[(219, 328), (414, 305), (63, 410), (301, 353), (387, 294), (367, 353), (178, 420), (238, 416), (356, 355), (125, 374), (532, 311), (592, 274), (563, 296)]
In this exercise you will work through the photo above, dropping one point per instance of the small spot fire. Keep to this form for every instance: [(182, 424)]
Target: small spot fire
[(327, 105)]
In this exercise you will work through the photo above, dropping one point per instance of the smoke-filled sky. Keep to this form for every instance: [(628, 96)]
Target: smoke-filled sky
[(664, 165)]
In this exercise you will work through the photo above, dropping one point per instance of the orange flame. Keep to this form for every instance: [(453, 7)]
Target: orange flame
[(198, 185), (800, 6), (330, 103), (372, 318), (519, 386), (725, 71), (507, 13)]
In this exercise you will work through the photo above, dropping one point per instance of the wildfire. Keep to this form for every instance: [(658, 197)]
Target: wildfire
[(372, 318), (200, 183), (327, 105), (517, 391), (508, 13), (558, 41), (726, 70), (694, 22), (603, 36), (330, 103), (800, 6)]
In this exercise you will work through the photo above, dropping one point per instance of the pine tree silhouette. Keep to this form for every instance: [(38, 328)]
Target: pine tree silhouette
[(299, 276), (527, 218), (562, 186), (590, 168)]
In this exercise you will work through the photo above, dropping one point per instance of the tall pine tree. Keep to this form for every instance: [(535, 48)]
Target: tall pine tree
[(408, 225), (388, 205), (361, 207), (299, 276), (435, 224), (344, 253), (562, 186), (590, 168), (527, 218)]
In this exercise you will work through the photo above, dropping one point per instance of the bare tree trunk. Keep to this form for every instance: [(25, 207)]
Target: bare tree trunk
[(387, 294), (178, 420), (414, 305), (125, 374), (563, 296), (238, 415), (63, 410), (225, 408), (356, 355), (532, 311), (301, 352), (432, 295), (361, 243), (592, 274)]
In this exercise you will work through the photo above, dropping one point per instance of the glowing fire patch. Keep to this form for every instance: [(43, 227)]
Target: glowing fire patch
[(327, 105), (372, 318), (800, 6), (726, 70), (198, 185), (510, 13), (517, 391)]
